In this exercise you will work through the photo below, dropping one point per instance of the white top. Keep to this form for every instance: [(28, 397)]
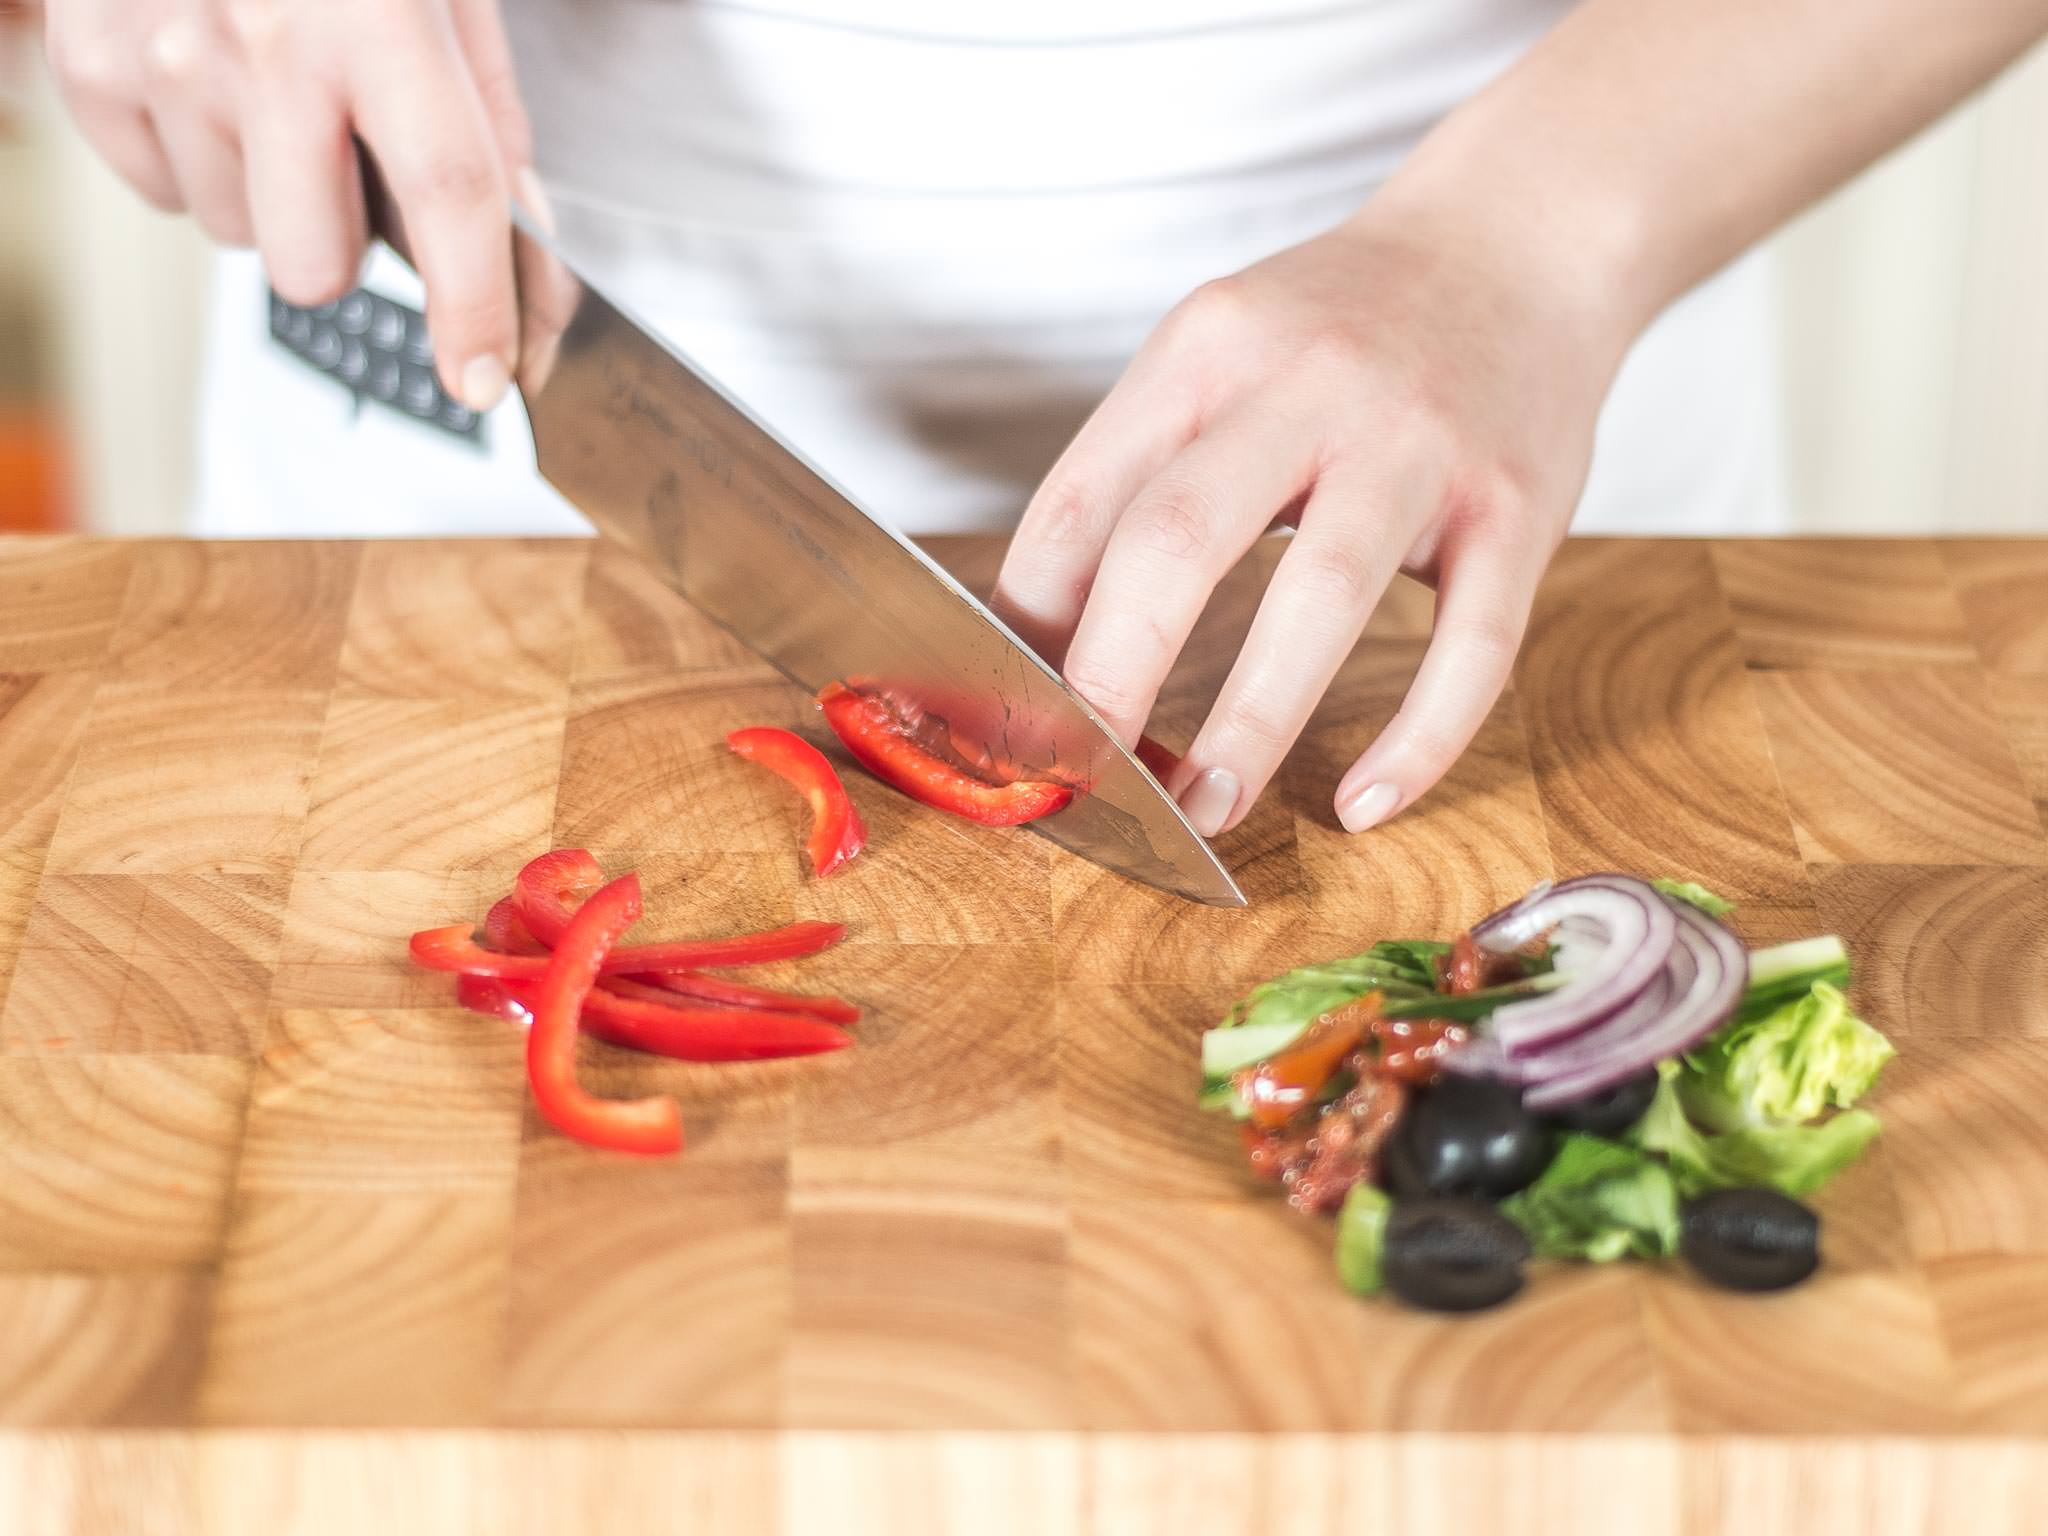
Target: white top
[(923, 238)]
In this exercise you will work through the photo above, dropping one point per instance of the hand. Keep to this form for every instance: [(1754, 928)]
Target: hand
[(242, 112), (1416, 392)]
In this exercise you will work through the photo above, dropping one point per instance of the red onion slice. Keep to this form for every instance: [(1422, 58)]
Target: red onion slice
[(1638, 926), (1592, 1047), (1705, 999)]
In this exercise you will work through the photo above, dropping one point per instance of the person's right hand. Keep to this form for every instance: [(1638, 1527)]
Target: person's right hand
[(243, 112)]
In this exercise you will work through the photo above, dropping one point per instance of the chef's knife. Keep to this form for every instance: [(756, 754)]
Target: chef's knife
[(668, 462)]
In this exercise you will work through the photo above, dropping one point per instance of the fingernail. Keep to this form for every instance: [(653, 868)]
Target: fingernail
[(1210, 799), (1369, 807), (484, 382), (533, 197)]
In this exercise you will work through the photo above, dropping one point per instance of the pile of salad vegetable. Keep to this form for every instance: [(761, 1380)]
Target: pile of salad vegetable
[(549, 956), (1600, 1071)]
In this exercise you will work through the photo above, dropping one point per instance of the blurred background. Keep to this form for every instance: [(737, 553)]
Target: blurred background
[(1913, 327)]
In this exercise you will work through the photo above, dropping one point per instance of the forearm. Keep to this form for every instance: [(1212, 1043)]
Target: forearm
[(1644, 143)]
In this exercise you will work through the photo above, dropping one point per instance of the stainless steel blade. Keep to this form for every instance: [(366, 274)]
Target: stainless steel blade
[(662, 458)]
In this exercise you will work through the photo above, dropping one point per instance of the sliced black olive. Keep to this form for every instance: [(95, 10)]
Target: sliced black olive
[(1750, 1239), (1452, 1255), (1612, 1110), (1467, 1136)]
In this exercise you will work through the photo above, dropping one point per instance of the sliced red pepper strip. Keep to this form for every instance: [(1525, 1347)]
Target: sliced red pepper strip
[(650, 1019), (836, 830), (652, 1125), (732, 994), (876, 734), (494, 996), (456, 949), (644, 1019), (506, 932), (552, 887), (1161, 760)]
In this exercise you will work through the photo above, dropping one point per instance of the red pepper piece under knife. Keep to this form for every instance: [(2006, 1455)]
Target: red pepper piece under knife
[(652, 1125), (883, 741), (647, 1019), (836, 830), (456, 949)]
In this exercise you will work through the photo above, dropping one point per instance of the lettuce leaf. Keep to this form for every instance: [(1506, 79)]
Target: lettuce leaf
[(1393, 967), (1695, 895), (1797, 1159), (1599, 1200), (1361, 1238), (1786, 1067)]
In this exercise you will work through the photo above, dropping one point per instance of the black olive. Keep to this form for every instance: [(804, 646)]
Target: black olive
[(1610, 1111), (1750, 1239), (1452, 1255), (1467, 1136)]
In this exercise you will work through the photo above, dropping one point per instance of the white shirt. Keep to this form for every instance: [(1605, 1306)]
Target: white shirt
[(922, 238)]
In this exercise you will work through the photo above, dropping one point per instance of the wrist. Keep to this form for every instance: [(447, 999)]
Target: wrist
[(1579, 250)]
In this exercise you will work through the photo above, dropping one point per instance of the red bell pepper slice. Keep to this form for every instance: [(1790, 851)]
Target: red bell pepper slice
[(552, 887), (836, 830), (732, 994), (456, 949), (1161, 760), (506, 932), (651, 1125), (650, 1019), (887, 745)]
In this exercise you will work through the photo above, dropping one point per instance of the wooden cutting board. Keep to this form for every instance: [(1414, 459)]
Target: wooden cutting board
[(257, 1175)]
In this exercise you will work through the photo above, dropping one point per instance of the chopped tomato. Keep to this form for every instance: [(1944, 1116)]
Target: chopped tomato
[(1291, 1079), (1414, 1049)]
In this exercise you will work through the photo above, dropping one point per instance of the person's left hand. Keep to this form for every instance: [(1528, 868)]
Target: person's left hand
[(1415, 393)]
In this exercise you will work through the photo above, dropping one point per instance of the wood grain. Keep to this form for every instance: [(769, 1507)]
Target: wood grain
[(1633, 693), (1906, 766), (988, 1271), (1878, 603), (1998, 584)]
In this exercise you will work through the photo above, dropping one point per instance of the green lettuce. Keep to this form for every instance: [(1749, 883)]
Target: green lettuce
[(1695, 895), (1786, 1067), (1392, 967), (1361, 1238), (1785, 973), (1797, 1159), (1599, 1200)]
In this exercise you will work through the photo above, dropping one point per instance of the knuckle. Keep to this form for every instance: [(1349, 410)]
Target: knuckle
[(1066, 513), (1114, 699), (1336, 576), (257, 26), (173, 54), (1488, 638), (1177, 522), (1218, 309), (91, 67), (1257, 730), (460, 178)]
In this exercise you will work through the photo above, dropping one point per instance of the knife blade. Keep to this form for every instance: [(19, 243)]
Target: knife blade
[(669, 463)]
